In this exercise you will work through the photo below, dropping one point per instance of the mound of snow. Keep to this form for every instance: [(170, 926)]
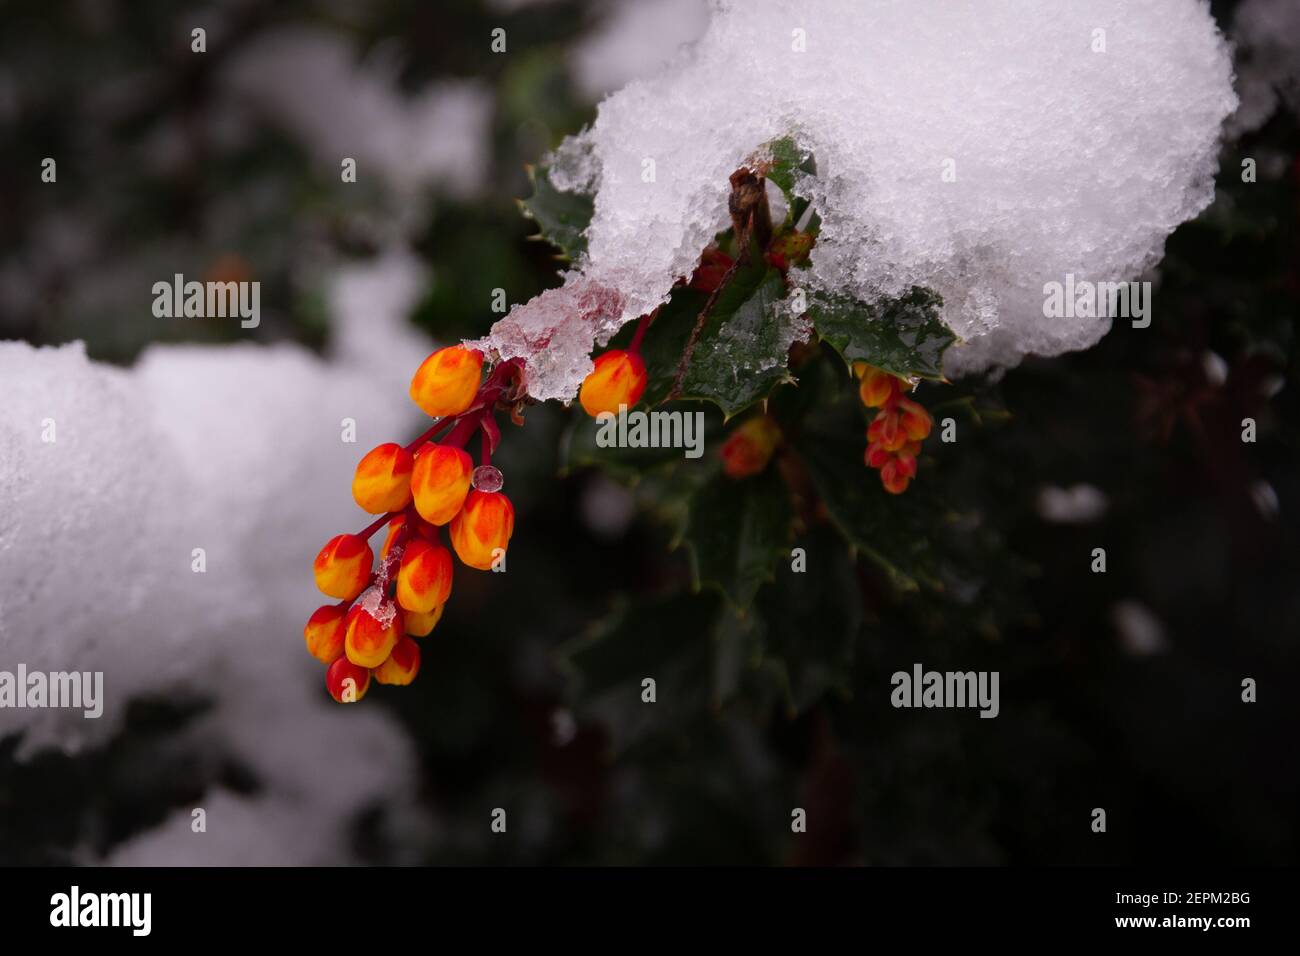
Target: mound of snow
[(237, 450), (982, 149)]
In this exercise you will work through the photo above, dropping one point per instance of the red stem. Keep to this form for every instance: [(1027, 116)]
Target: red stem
[(484, 404), (368, 531), (464, 430), (639, 334), (428, 435)]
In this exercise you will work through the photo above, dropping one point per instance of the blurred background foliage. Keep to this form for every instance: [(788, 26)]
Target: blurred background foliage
[(1119, 690)]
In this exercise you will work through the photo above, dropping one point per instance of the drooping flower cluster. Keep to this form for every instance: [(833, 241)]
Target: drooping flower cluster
[(894, 436), (415, 490)]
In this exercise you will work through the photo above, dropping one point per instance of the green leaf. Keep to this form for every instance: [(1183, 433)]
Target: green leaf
[(903, 336), (562, 216), (895, 532), (736, 533), (788, 161), (665, 340), (741, 354)]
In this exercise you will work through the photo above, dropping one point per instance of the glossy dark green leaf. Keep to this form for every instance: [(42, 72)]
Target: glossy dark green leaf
[(903, 336), (741, 354), (737, 531), (562, 216), (665, 340), (895, 532)]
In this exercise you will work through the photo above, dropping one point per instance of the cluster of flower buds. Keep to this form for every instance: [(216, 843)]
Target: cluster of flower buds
[(415, 490), (750, 447), (894, 436)]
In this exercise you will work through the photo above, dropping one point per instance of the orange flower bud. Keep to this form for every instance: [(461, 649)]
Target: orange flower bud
[(367, 640), (421, 625), (346, 682), (424, 579), (447, 381), (324, 633), (893, 478), (749, 448), (885, 430), (618, 379), (877, 387), (877, 455), (394, 527), (382, 482), (402, 665), (440, 482), (915, 420), (342, 568), (483, 525), (905, 463), (419, 529)]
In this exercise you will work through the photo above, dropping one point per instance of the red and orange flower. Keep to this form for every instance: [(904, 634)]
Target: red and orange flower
[(894, 436), (749, 448)]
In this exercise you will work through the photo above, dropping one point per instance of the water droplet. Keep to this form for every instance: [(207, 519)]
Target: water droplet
[(487, 478)]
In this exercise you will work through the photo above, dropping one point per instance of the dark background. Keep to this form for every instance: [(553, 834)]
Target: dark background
[(1155, 733)]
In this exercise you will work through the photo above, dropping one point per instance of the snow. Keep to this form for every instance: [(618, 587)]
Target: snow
[(236, 450), (554, 333), (1078, 504), (1141, 634), (1067, 160), (1267, 36), (374, 602), (308, 81), (634, 39)]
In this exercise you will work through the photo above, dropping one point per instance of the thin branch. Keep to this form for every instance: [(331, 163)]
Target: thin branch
[(700, 322), (751, 221)]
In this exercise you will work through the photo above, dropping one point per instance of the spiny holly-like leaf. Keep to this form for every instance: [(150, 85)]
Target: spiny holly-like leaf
[(895, 532), (737, 531), (665, 340), (562, 216), (741, 354), (903, 336)]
